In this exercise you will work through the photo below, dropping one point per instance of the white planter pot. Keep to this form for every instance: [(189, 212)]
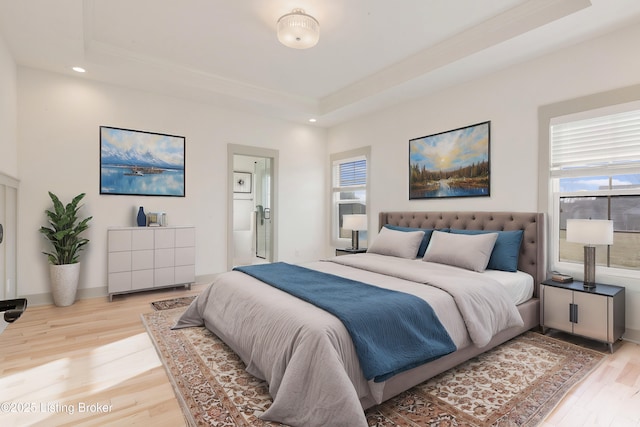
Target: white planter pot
[(64, 283)]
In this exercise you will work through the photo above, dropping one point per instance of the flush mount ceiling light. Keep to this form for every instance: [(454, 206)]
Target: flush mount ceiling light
[(298, 30)]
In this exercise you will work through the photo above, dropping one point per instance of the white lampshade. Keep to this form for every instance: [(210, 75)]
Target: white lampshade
[(590, 231), (298, 30), (354, 222)]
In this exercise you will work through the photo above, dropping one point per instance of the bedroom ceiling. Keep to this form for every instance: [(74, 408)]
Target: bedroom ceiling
[(371, 54)]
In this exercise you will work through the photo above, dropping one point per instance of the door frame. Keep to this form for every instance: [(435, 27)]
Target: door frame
[(245, 150)]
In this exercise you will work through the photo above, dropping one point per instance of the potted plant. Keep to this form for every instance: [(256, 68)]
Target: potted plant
[(64, 234)]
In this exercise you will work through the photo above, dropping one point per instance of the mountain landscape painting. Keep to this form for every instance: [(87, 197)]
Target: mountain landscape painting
[(141, 163), (450, 164)]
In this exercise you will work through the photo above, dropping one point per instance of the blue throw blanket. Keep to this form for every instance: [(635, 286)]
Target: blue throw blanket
[(391, 331)]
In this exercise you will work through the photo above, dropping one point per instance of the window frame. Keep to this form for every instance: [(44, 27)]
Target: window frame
[(549, 197), (345, 157), (577, 268)]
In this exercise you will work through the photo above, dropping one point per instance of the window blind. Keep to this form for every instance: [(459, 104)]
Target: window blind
[(611, 142), (352, 173)]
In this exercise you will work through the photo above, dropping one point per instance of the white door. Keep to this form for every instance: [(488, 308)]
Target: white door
[(3, 274), (8, 247)]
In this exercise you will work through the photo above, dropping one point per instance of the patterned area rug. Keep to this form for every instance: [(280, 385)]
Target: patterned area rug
[(168, 304), (515, 384)]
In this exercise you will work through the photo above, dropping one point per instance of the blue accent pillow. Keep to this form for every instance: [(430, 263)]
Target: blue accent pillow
[(425, 240), (506, 250)]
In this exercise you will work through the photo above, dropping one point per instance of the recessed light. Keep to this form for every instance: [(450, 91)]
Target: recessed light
[(78, 69), (312, 120)]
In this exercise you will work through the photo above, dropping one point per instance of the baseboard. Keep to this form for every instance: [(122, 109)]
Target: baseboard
[(97, 292), (632, 335), (47, 298)]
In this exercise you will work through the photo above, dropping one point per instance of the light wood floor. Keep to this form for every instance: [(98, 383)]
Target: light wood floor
[(56, 362)]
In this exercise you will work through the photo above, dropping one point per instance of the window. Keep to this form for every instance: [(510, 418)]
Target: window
[(595, 174), (349, 188)]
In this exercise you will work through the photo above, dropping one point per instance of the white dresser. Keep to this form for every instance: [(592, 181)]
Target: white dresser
[(142, 258)]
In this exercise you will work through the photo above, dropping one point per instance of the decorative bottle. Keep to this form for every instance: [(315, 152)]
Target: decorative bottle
[(142, 218)]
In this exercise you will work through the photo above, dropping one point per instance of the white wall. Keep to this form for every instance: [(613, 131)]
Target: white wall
[(8, 112), (59, 116), (58, 126), (510, 99)]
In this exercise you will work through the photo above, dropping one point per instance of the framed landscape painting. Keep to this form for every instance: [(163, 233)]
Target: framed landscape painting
[(141, 163), (454, 163)]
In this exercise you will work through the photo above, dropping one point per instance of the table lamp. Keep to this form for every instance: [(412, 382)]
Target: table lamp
[(355, 223), (591, 232)]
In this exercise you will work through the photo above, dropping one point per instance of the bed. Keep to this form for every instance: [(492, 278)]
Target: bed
[(306, 354)]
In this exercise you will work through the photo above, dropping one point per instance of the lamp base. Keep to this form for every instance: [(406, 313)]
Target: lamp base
[(355, 239), (589, 267)]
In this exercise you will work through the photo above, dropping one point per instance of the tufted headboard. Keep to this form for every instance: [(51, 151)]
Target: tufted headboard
[(531, 258)]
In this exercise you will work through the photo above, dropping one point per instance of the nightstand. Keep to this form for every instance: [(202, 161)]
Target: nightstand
[(596, 313), (349, 251)]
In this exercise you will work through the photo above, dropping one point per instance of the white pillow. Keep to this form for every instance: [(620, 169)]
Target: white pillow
[(403, 244), (470, 251)]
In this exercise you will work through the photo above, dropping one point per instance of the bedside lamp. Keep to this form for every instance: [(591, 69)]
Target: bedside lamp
[(355, 223), (590, 232)]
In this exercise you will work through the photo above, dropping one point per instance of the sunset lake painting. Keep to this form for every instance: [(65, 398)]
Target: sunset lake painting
[(450, 164)]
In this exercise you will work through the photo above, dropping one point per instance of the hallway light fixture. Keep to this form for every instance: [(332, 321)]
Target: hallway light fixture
[(298, 30)]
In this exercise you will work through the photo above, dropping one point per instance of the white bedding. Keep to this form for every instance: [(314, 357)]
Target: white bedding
[(307, 356), (519, 285)]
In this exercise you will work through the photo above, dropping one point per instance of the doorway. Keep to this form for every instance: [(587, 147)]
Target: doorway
[(252, 237)]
